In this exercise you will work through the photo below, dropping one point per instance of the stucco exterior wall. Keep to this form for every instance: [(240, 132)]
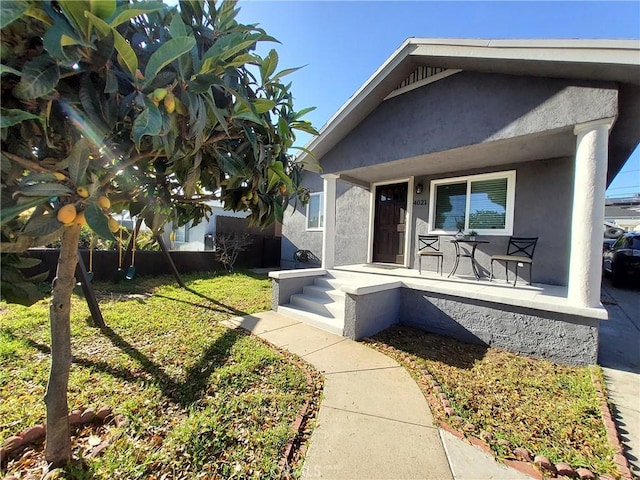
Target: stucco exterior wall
[(543, 199), (566, 339), (294, 227), (352, 225), (465, 109)]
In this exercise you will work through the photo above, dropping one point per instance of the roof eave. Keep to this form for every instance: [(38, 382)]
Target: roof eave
[(467, 53)]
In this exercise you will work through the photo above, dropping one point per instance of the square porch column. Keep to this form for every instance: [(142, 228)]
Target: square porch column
[(329, 230), (587, 221)]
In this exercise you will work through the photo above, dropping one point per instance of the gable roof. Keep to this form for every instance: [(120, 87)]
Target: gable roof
[(606, 60)]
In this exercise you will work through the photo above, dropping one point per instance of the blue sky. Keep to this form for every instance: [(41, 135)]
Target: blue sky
[(341, 43)]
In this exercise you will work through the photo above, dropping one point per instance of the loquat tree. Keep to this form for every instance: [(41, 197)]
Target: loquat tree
[(110, 105)]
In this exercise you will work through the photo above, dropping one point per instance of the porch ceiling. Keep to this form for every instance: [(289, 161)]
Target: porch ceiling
[(560, 143)]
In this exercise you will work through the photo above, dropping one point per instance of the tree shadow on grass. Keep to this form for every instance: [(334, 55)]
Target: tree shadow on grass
[(223, 308), (197, 376), (184, 392), (431, 346)]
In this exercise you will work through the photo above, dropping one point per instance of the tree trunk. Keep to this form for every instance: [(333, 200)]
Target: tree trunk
[(58, 445)]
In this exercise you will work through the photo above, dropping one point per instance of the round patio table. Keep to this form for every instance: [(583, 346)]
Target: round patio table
[(461, 251)]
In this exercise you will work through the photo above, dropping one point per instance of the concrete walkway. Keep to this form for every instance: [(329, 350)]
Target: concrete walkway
[(373, 422), (619, 356)]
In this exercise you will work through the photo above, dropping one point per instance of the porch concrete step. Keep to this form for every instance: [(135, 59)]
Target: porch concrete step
[(324, 306), (324, 292), (328, 324), (329, 282)]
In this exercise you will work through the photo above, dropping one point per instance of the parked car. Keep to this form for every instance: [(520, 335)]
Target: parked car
[(622, 260)]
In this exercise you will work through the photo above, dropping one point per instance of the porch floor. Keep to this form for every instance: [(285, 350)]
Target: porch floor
[(552, 298)]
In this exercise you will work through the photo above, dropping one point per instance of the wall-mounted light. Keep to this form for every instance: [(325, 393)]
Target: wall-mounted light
[(418, 189)]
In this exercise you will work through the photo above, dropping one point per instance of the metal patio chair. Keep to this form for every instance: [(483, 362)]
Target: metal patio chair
[(429, 246), (519, 251)]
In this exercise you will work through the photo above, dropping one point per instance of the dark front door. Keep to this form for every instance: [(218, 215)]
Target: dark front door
[(389, 223)]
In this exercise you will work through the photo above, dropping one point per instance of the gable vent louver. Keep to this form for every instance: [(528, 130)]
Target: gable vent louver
[(420, 73)]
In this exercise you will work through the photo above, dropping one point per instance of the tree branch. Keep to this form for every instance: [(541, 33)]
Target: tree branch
[(30, 164)]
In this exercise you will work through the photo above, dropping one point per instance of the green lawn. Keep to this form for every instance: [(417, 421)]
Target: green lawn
[(200, 399)]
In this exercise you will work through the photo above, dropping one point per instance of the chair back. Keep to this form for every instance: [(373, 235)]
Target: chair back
[(428, 243), (522, 246)]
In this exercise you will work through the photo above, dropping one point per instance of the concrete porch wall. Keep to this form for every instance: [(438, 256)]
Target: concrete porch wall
[(537, 321), (562, 338)]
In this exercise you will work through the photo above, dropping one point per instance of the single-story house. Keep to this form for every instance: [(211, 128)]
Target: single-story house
[(199, 237), (624, 213), (505, 137)]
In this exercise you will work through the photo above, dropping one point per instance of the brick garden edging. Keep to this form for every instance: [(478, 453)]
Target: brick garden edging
[(526, 461), (296, 447), (612, 431), (15, 445)]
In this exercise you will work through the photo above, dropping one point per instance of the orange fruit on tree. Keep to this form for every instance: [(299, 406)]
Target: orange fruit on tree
[(67, 214), (82, 191), (104, 202), (80, 219), (114, 226)]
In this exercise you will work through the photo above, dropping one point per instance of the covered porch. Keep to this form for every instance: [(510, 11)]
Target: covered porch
[(554, 189), (360, 300)]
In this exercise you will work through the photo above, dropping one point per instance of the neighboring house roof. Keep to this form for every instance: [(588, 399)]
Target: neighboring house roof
[(624, 212), (604, 60)]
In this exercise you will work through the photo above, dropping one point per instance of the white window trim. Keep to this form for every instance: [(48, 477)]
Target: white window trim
[(320, 213), (510, 175)]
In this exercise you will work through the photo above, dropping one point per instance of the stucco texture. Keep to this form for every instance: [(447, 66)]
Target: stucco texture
[(561, 338), (465, 109)]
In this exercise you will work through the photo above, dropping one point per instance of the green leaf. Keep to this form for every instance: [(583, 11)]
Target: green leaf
[(227, 46), (52, 41), (39, 177), (269, 65), (39, 77), (22, 262), (38, 13), (9, 213), (304, 126), (263, 105), (177, 28), (149, 122), (76, 10), (129, 58), (282, 73), (303, 112), (102, 8), (60, 35), (39, 278), (279, 170), (45, 190), (135, 208), (166, 54), (127, 12), (13, 116), (98, 221), (283, 128), (273, 179), (252, 117), (6, 69), (10, 11), (42, 225), (22, 293), (78, 161)]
